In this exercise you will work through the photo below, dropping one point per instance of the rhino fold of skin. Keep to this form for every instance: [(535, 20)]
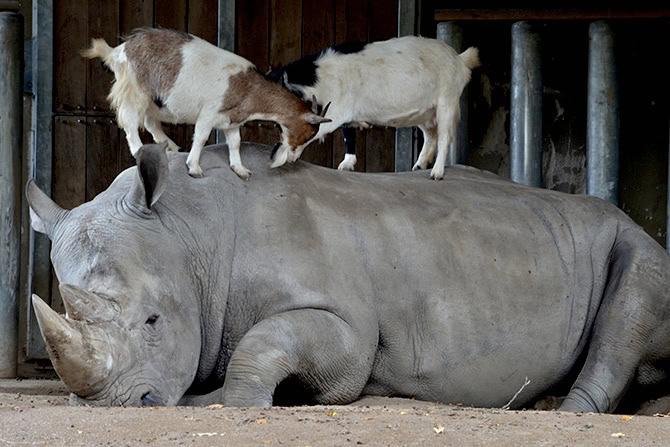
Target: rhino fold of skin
[(308, 284)]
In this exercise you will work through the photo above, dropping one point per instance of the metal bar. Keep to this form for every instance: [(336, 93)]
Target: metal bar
[(602, 116), (40, 265), (550, 14), (226, 37), (451, 33), (11, 153), (526, 108), (667, 209), (404, 137)]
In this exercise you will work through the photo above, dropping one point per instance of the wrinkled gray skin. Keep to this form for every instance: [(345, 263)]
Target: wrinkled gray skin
[(342, 284)]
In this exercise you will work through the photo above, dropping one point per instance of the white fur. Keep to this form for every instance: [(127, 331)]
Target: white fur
[(195, 98), (402, 82), (348, 163)]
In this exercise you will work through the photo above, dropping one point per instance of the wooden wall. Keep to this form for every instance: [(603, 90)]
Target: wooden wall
[(271, 33), (89, 150)]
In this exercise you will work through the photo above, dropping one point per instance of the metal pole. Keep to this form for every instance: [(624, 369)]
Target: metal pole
[(11, 153), (451, 33), (602, 116), (403, 136), (526, 109), (39, 264), (667, 209)]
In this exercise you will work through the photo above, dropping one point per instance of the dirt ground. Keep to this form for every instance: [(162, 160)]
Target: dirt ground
[(37, 413)]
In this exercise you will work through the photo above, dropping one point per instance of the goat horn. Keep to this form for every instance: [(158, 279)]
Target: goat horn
[(325, 110)]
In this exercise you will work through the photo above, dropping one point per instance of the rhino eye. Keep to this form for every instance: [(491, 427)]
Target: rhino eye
[(152, 320)]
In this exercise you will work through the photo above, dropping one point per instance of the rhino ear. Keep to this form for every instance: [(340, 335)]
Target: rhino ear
[(44, 213), (152, 175)]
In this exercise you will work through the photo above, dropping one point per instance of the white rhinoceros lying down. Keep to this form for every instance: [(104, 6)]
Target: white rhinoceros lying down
[(312, 285)]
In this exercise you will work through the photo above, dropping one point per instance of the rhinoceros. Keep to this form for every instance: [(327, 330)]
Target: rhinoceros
[(308, 285)]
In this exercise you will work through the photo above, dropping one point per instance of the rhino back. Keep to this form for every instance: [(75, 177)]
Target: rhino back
[(454, 279)]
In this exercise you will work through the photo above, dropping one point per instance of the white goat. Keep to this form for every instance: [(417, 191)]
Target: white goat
[(401, 82), (169, 76)]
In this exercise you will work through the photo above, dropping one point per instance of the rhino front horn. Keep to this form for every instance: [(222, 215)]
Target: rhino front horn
[(80, 365)]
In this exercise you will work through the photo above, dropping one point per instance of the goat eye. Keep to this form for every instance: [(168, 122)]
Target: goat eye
[(152, 320)]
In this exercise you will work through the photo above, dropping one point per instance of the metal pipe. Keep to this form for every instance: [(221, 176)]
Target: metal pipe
[(11, 153), (667, 209), (451, 33), (39, 264), (526, 108), (602, 116), (404, 137)]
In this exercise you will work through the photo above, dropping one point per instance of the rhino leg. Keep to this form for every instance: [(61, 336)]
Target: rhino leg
[(314, 347), (630, 315)]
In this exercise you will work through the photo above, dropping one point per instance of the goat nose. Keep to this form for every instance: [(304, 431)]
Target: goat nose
[(149, 400)]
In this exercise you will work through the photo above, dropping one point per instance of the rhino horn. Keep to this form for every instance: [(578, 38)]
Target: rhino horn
[(80, 363), (44, 213), (82, 305)]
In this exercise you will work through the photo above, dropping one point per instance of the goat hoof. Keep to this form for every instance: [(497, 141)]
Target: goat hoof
[(242, 172), (436, 175), (418, 167), (345, 167), (196, 172)]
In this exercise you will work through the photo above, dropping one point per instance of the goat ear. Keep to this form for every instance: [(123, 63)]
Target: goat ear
[(152, 175), (316, 119), (44, 213)]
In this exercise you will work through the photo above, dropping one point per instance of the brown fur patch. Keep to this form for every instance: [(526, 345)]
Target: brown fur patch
[(156, 58), (250, 92)]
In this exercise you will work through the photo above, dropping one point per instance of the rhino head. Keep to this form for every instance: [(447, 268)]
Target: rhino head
[(131, 332)]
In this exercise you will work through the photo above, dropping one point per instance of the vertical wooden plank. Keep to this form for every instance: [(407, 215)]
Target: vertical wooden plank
[(285, 41), (351, 24), (171, 14), (102, 148), (70, 24), (380, 147), (135, 14), (351, 20), (103, 21), (253, 32), (203, 22), (383, 19), (69, 174), (285, 31), (203, 19), (318, 32), (380, 150), (253, 36)]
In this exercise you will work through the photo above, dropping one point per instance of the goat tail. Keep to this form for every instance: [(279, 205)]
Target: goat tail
[(470, 57), (99, 48)]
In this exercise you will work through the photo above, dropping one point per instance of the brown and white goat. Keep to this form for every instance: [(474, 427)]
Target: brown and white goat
[(169, 76)]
